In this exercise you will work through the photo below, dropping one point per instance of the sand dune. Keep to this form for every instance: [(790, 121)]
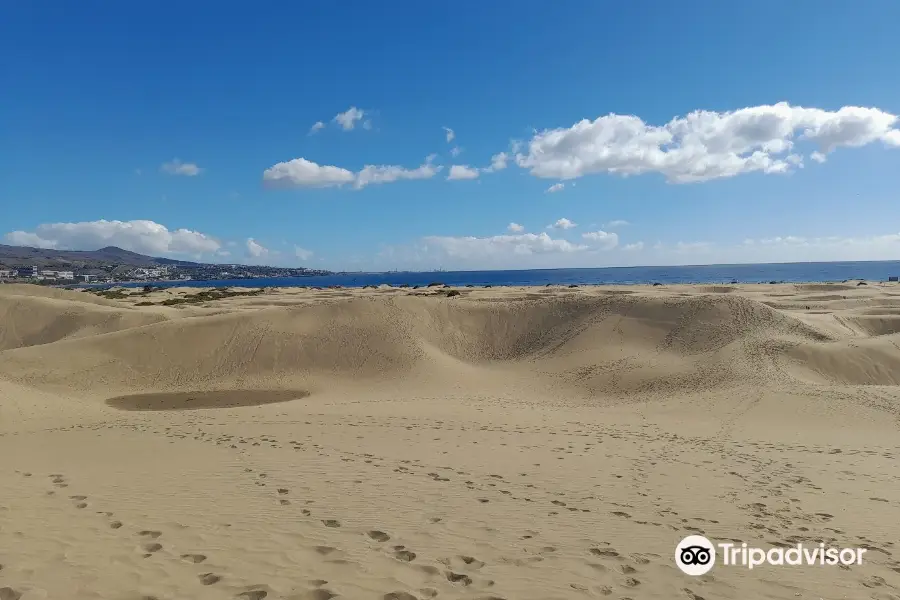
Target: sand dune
[(30, 321), (405, 444)]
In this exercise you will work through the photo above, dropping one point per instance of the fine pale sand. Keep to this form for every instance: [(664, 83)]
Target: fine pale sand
[(399, 444)]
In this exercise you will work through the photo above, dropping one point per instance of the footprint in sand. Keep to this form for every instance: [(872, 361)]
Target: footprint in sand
[(193, 558), (405, 555), (399, 596), (378, 536), (872, 581), (8, 593), (253, 595), (331, 523), (115, 525), (459, 578), (152, 547), (463, 562), (639, 559), (209, 578), (471, 562), (147, 533)]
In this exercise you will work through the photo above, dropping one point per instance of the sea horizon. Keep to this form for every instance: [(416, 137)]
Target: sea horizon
[(790, 272)]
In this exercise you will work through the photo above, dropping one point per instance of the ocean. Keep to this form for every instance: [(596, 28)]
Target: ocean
[(747, 273)]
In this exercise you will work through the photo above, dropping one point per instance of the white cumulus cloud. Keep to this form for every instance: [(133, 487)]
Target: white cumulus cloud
[(603, 239), (317, 126), (450, 134), (556, 187), (635, 247), (145, 237), (498, 162), (515, 228), (462, 172), (305, 173), (301, 172), (703, 145), (348, 119), (563, 223), (501, 245), (176, 167)]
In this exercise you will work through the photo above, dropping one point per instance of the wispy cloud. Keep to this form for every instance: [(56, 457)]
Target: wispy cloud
[(176, 167), (615, 223), (348, 119), (255, 249)]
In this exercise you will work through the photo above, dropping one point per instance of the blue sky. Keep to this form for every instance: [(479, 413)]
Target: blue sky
[(187, 130)]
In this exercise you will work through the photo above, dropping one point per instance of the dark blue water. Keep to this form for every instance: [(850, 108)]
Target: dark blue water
[(756, 273)]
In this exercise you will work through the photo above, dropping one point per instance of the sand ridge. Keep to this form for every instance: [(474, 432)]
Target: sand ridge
[(400, 443)]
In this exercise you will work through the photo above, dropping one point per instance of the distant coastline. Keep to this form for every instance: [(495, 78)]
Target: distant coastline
[(700, 274)]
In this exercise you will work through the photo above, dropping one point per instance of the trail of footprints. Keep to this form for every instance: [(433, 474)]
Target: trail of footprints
[(149, 542), (768, 475), (459, 569), (416, 468), (455, 565)]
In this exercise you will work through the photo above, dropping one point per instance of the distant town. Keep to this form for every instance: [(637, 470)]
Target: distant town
[(113, 265), (167, 273)]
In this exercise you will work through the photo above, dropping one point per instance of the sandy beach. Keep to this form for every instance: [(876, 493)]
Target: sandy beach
[(398, 444)]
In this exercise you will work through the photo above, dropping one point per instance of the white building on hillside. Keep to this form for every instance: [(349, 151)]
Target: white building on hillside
[(143, 273), (48, 274)]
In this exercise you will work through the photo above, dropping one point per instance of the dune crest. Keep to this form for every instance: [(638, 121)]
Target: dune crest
[(598, 343)]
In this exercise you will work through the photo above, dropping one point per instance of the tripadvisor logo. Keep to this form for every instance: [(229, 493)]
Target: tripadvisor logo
[(696, 555)]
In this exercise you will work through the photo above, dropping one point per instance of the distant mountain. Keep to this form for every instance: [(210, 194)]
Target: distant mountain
[(23, 256)]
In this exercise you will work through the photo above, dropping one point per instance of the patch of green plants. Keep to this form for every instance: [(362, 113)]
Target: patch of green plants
[(112, 294), (207, 296)]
